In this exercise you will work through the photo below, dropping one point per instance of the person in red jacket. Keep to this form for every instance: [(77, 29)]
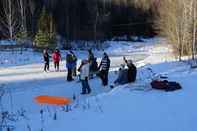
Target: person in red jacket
[(56, 59)]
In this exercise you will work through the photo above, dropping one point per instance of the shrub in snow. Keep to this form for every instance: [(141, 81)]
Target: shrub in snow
[(43, 40), (45, 37)]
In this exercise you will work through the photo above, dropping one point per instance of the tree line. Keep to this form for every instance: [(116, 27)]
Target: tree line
[(95, 20)]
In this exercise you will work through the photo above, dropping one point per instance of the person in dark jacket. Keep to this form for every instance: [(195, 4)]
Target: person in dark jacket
[(132, 70), (90, 56), (69, 66), (46, 60), (74, 59), (122, 76), (104, 69), (91, 59), (95, 66)]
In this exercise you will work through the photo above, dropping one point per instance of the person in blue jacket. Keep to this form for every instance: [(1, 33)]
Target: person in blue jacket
[(70, 64)]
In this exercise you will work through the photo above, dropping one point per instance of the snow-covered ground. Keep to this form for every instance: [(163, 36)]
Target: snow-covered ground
[(134, 50), (120, 109), (7, 42)]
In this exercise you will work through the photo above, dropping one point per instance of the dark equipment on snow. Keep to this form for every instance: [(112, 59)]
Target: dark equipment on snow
[(165, 85)]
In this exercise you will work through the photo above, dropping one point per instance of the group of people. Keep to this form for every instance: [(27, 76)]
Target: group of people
[(89, 68), (56, 56)]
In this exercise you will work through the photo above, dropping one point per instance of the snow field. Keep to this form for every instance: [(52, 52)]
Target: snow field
[(119, 109)]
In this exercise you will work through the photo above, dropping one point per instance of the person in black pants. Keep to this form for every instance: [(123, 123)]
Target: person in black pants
[(104, 69), (70, 66), (56, 59), (74, 62), (132, 70), (91, 61), (46, 60)]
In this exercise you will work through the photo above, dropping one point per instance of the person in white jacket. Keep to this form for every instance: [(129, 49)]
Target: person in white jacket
[(84, 70)]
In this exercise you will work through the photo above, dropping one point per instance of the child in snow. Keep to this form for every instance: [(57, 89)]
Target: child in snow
[(104, 69), (84, 74), (46, 60), (56, 59)]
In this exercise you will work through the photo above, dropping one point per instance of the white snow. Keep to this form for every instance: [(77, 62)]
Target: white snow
[(7, 42), (120, 109)]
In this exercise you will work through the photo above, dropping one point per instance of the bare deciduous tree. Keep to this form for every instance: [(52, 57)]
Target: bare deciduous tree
[(194, 26), (177, 22), (22, 9), (9, 18)]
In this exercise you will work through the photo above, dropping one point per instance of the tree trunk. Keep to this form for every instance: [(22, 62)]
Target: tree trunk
[(194, 29), (95, 27)]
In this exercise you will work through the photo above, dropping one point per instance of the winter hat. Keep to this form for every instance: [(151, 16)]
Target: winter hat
[(122, 66), (105, 54), (130, 61)]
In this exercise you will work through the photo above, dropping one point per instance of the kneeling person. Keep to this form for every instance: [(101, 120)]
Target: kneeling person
[(126, 75), (122, 76), (132, 70)]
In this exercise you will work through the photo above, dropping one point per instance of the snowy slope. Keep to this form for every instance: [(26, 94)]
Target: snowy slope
[(119, 109)]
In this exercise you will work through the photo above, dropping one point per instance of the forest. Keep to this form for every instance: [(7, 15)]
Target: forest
[(82, 19), (44, 22)]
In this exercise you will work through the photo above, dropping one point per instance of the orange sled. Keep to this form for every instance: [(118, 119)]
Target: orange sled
[(53, 100)]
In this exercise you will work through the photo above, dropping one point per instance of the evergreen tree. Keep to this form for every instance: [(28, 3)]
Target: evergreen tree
[(45, 37), (21, 37)]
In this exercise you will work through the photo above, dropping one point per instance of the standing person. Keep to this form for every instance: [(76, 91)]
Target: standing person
[(91, 61), (84, 74), (69, 66), (46, 60), (74, 58), (90, 56), (132, 70), (104, 69), (95, 66), (56, 59)]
